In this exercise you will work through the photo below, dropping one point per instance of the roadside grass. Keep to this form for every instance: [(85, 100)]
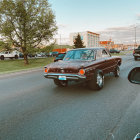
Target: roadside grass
[(8, 66)]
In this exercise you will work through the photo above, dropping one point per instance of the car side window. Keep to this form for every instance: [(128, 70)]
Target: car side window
[(91, 56), (98, 54), (105, 53)]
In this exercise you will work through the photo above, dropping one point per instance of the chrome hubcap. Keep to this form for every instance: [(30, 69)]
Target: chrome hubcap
[(118, 72), (99, 79)]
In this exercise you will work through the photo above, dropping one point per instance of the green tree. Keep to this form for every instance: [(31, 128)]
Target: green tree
[(5, 46), (26, 23), (78, 43), (48, 48)]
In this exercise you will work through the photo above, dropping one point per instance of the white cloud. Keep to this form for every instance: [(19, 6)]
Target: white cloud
[(125, 35), (138, 16)]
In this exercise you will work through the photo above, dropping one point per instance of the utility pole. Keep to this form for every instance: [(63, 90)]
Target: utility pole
[(60, 43), (110, 45), (135, 37)]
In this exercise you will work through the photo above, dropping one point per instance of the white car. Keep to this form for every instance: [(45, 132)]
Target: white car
[(8, 54), (40, 54)]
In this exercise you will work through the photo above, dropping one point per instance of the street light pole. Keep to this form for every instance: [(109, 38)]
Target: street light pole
[(60, 43), (135, 37)]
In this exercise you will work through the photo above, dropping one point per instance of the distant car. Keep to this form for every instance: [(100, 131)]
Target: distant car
[(9, 54), (59, 57), (21, 55), (47, 54), (114, 51), (31, 55), (43, 54), (87, 65), (50, 53), (40, 54), (136, 53), (55, 53)]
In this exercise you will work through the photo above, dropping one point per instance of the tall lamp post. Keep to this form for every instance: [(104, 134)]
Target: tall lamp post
[(60, 43), (135, 37)]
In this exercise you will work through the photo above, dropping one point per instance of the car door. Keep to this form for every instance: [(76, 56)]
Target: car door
[(100, 61), (109, 61), (10, 54), (6, 54)]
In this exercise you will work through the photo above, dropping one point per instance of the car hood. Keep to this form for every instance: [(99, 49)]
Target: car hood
[(69, 64)]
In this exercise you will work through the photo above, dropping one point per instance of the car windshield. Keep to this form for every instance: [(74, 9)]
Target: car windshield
[(83, 54)]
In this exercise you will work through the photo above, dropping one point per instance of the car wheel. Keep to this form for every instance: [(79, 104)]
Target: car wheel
[(60, 83), (135, 58), (16, 57), (97, 81), (117, 72), (2, 57)]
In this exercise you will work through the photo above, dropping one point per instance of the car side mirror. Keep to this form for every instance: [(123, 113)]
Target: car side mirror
[(134, 75)]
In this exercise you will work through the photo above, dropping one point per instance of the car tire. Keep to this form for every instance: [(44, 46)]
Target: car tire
[(135, 58), (16, 56), (117, 71), (60, 83), (2, 57), (97, 81)]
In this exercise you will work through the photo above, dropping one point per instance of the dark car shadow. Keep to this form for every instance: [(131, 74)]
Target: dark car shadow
[(75, 89)]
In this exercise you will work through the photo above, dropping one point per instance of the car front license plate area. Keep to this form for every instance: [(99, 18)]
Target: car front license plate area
[(62, 78)]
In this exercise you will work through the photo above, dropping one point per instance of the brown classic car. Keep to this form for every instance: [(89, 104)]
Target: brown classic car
[(86, 64)]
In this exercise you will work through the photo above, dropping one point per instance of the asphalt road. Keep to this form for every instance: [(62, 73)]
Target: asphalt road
[(33, 108)]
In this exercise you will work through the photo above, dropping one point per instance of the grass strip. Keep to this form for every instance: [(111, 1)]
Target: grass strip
[(8, 66)]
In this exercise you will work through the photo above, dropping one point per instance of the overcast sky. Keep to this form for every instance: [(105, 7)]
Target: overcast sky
[(115, 19)]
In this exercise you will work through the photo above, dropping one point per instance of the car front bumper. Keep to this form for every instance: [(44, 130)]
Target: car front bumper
[(73, 77)]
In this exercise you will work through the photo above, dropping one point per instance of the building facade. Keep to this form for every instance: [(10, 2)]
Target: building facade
[(107, 44), (111, 45), (89, 39)]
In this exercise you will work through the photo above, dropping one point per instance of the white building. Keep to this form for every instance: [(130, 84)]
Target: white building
[(89, 39)]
